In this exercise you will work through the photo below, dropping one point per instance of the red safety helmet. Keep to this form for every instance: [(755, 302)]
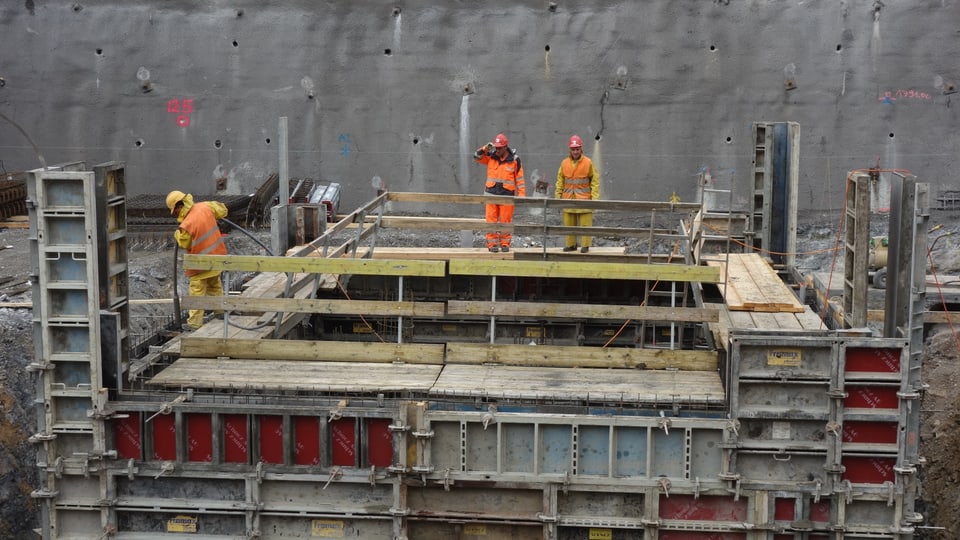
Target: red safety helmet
[(575, 142), (500, 140)]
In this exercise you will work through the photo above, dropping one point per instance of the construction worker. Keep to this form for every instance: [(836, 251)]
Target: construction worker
[(199, 234), (577, 179), (504, 177)]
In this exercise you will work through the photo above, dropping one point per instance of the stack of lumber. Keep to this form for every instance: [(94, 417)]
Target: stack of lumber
[(753, 285)]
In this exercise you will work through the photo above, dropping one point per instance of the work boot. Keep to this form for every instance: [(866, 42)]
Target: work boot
[(505, 249), (493, 249), (584, 249), (570, 248)]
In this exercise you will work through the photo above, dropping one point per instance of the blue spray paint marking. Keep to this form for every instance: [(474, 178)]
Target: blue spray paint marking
[(344, 140)]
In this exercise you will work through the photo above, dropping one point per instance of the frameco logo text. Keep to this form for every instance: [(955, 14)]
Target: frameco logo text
[(182, 524), (326, 528)]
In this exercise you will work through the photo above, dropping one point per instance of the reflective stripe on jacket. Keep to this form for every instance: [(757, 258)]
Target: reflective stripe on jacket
[(577, 180), (205, 238)]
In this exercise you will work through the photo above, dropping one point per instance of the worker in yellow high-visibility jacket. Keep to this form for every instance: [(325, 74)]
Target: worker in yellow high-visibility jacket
[(577, 179)]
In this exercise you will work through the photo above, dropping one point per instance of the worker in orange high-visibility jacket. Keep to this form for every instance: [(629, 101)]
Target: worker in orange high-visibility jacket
[(577, 179), (504, 177), (199, 234)]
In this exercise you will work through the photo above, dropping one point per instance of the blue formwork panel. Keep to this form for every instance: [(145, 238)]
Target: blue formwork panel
[(669, 454), (65, 231), (593, 454), (518, 444), (65, 268), (555, 449), (67, 339), (59, 194), (631, 452)]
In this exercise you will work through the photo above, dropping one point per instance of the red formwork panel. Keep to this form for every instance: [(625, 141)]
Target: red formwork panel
[(164, 437), (868, 469), (235, 438), (784, 509), (271, 439), (873, 360), (343, 435), (870, 432), (820, 511), (690, 535), (711, 508), (379, 442), (306, 440), (871, 397), (199, 437), (127, 437)]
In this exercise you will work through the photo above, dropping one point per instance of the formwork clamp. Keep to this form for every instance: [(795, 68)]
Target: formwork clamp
[(44, 493), (665, 485), (447, 481), (336, 473), (546, 518)]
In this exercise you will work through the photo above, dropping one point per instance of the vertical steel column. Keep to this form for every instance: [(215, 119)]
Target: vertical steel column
[(856, 256)]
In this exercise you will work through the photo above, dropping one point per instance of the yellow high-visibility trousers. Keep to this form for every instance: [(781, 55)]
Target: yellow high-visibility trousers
[(204, 284), (577, 218)]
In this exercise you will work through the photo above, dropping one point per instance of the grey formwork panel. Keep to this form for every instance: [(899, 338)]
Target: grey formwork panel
[(617, 450), (67, 341)]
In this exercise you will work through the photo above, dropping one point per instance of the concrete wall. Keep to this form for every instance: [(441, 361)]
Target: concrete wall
[(187, 91)]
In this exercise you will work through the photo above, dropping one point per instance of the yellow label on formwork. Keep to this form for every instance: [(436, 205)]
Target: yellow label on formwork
[(784, 357), (326, 528), (182, 524), (601, 534), (533, 331), (475, 530), (362, 328)]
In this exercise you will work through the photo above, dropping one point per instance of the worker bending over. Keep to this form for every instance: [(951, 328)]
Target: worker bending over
[(199, 234), (504, 177), (577, 179)]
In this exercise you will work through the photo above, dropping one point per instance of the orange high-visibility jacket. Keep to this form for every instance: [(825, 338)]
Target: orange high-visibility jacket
[(504, 177), (201, 224)]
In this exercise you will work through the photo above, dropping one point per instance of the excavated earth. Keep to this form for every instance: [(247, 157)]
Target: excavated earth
[(151, 267)]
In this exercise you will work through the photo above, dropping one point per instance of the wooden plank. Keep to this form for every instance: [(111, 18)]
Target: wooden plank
[(278, 375), (593, 357), (639, 206), (326, 307), (583, 270), (752, 285), (696, 388), (480, 224), (315, 265), (327, 351), (581, 311), (445, 254)]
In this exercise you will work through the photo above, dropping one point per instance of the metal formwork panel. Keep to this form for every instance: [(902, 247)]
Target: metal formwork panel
[(67, 358), (590, 448)]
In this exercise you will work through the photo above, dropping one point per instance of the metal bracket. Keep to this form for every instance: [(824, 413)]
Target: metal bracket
[(489, 418), (733, 426), (398, 427), (109, 530), (423, 434), (165, 467), (58, 467), (816, 492), (44, 493), (665, 484), (40, 366), (664, 423), (833, 428), (399, 512), (337, 413), (167, 408), (131, 469), (372, 477), (259, 472), (335, 474), (447, 481), (545, 518), (696, 488), (566, 481), (42, 437)]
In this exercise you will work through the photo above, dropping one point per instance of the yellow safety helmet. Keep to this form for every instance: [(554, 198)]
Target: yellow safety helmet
[(173, 198)]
